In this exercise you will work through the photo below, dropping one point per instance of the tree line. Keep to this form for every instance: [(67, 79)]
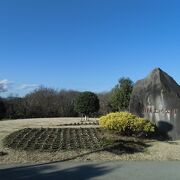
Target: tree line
[(47, 102)]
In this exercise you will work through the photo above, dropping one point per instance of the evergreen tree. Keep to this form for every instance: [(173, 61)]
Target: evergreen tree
[(121, 93)]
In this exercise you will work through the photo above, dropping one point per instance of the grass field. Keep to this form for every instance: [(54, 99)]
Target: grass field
[(38, 140)]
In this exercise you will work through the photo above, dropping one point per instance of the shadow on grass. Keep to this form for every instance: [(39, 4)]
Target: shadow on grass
[(2, 153), (118, 148), (80, 172), (126, 147), (55, 171)]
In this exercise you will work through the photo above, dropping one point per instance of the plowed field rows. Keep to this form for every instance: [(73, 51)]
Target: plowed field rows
[(54, 139)]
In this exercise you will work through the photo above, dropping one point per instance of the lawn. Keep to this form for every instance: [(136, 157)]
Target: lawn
[(61, 139)]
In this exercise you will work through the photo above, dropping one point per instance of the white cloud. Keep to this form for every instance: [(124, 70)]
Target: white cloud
[(5, 85), (28, 86)]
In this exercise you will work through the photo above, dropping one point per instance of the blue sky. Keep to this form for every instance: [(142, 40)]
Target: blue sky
[(86, 44)]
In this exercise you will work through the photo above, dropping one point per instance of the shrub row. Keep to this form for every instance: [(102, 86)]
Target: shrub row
[(127, 124)]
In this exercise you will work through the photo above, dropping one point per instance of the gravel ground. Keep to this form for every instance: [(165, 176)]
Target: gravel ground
[(156, 150)]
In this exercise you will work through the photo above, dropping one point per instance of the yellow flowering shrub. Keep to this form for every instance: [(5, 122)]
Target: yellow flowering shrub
[(127, 124)]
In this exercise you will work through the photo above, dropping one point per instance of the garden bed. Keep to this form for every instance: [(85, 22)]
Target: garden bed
[(95, 123), (72, 139), (55, 139)]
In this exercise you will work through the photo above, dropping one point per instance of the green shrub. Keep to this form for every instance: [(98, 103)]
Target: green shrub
[(120, 95), (87, 103), (127, 124)]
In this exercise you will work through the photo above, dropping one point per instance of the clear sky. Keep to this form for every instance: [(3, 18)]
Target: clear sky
[(86, 44)]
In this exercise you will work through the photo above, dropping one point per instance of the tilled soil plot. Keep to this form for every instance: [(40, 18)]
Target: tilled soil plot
[(54, 139)]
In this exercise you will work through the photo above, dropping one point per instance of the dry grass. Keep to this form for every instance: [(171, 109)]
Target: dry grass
[(155, 150)]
